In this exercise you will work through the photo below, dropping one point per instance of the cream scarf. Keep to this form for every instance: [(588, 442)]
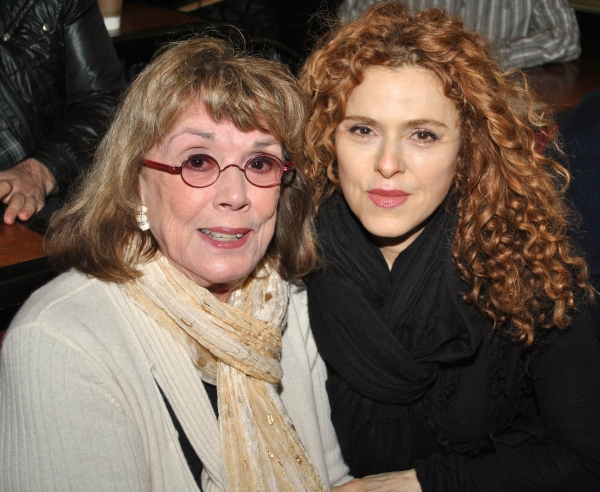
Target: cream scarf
[(236, 346)]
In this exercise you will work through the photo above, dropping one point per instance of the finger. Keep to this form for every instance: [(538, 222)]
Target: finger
[(9, 216), (350, 486), (5, 189), (30, 206), (14, 207)]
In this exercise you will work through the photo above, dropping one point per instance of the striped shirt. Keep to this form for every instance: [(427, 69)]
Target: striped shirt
[(524, 33)]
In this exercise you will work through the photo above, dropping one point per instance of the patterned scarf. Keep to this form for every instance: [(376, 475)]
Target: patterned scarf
[(236, 346)]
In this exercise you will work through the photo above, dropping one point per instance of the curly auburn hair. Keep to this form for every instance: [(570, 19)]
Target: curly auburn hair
[(510, 243)]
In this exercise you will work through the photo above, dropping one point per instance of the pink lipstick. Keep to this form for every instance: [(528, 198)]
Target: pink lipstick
[(387, 198), (225, 237)]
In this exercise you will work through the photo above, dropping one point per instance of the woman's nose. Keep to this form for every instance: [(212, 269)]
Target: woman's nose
[(391, 159), (231, 189)]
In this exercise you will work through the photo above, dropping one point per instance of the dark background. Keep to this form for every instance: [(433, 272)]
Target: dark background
[(285, 21)]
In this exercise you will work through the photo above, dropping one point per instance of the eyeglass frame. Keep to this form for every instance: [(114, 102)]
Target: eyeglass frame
[(286, 166)]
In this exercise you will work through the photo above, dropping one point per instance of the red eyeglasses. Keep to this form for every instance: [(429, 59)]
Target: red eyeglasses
[(201, 170)]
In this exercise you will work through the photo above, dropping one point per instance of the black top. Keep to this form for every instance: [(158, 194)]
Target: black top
[(191, 457), (580, 137), (418, 379)]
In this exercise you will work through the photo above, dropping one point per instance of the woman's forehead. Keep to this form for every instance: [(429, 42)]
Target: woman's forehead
[(407, 93), (197, 127)]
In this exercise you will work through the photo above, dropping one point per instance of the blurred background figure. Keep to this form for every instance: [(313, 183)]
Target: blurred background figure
[(527, 33), (256, 17), (59, 79), (281, 31)]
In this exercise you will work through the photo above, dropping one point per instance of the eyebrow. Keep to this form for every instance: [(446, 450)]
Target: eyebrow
[(267, 142), (193, 131), (426, 122), (258, 144), (362, 119), (410, 123)]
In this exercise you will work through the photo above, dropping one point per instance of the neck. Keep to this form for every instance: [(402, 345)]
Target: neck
[(391, 247), (221, 292)]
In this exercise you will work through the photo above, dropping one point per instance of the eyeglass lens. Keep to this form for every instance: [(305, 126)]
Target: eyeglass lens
[(202, 170)]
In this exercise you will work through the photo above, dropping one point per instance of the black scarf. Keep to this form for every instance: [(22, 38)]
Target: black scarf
[(387, 332)]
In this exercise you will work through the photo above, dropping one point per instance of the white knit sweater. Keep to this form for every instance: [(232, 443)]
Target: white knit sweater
[(80, 408)]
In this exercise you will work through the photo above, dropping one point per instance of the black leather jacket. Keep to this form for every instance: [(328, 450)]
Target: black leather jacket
[(59, 79)]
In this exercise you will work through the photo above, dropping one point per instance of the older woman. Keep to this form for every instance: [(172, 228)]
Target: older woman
[(451, 309), (177, 251)]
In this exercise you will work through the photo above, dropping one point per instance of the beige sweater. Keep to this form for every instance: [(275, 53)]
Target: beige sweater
[(80, 408)]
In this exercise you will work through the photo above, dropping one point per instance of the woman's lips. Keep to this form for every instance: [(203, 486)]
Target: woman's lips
[(225, 237), (388, 198)]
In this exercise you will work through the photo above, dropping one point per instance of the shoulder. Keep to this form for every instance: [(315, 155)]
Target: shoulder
[(298, 305), (584, 118), (574, 350), (82, 313), (299, 354), (297, 331), (71, 295), (297, 343)]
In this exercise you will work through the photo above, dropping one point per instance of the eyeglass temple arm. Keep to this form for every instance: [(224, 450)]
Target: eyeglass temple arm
[(158, 165), (288, 166)]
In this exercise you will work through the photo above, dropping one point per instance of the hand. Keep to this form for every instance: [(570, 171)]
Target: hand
[(24, 188), (405, 481)]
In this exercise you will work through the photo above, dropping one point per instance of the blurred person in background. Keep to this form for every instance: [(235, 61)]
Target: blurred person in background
[(59, 79), (523, 33)]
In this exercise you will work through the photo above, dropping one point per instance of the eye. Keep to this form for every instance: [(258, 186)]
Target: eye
[(425, 135), (200, 163), (261, 164), (362, 130)]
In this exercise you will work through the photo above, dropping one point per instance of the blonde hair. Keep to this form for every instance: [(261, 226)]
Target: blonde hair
[(96, 232)]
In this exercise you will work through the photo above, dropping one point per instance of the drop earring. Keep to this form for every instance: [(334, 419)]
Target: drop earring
[(142, 218)]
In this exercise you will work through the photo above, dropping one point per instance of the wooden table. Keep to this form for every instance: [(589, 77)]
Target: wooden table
[(560, 86), (23, 264)]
